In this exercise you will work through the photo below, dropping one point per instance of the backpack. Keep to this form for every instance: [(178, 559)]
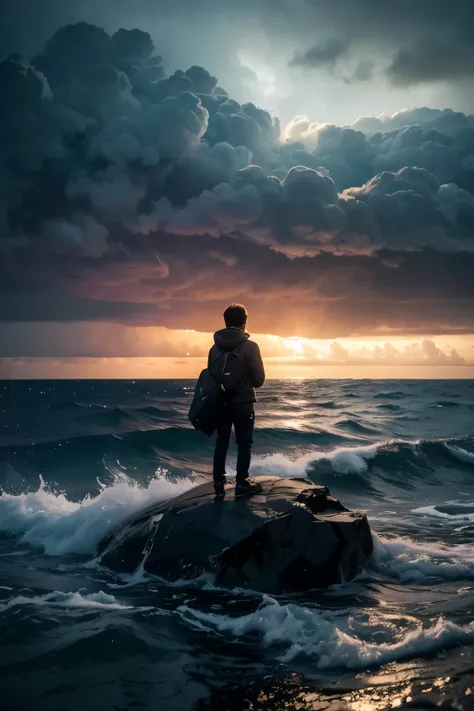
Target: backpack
[(227, 369), (212, 388)]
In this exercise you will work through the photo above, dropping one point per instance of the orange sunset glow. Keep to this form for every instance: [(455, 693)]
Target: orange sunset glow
[(236, 355), (182, 354)]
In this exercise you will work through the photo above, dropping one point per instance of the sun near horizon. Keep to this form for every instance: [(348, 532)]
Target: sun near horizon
[(329, 187), (431, 357)]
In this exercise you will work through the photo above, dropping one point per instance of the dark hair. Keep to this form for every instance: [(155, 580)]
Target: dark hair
[(235, 316)]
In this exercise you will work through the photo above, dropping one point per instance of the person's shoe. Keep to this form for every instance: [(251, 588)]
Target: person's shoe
[(219, 487), (247, 488)]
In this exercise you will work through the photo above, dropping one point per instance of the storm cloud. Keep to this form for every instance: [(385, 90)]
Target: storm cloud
[(415, 41), (137, 196), (323, 55)]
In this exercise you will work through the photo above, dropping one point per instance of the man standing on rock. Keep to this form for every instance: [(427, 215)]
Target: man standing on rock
[(237, 358)]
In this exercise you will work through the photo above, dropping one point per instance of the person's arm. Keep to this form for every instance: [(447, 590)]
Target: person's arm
[(255, 364)]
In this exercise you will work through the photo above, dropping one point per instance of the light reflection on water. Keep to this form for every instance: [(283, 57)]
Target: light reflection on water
[(394, 449), (386, 691)]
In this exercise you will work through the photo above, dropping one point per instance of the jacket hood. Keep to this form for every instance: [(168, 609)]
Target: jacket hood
[(227, 339)]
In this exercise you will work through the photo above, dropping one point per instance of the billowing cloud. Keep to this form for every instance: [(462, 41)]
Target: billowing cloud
[(113, 341), (407, 42), (135, 196), (425, 352), (439, 141), (302, 130)]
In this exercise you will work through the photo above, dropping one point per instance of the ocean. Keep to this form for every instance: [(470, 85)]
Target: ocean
[(78, 457)]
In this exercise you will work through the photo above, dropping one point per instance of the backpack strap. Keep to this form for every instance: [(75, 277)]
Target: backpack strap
[(234, 352), (240, 346)]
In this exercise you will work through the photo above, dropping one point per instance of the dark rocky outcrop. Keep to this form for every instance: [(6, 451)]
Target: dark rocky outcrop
[(292, 536)]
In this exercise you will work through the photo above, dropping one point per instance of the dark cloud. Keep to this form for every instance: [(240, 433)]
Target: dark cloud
[(322, 55), (406, 42), (423, 40), (363, 72), (303, 215), (335, 56), (431, 60), (136, 197)]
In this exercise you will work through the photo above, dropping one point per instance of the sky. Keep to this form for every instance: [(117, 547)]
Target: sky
[(313, 159)]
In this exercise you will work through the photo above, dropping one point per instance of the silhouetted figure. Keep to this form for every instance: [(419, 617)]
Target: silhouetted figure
[(243, 367)]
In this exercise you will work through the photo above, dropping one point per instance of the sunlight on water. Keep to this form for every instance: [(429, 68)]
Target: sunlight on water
[(78, 458)]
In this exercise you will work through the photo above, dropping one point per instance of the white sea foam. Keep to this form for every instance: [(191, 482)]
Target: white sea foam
[(462, 454), (99, 600), (344, 460), (460, 511), (328, 637), (408, 561), (50, 521)]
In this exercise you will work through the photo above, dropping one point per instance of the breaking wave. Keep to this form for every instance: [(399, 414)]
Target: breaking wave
[(99, 600), (405, 560), (387, 455), (48, 520), (328, 637)]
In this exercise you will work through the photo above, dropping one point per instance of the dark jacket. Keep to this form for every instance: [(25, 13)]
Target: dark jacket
[(230, 339)]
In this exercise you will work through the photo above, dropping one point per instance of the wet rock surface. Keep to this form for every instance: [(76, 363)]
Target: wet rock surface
[(293, 535)]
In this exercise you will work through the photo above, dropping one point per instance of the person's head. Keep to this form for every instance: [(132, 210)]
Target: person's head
[(235, 316)]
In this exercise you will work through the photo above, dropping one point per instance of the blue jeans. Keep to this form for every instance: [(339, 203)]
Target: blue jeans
[(241, 416)]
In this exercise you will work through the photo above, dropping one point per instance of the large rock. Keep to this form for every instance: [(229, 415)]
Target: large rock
[(291, 536)]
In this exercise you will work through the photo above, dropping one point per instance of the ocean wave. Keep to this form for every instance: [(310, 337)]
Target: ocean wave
[(328, 637), (351, 424), (408, 561), (390, 407), (48, 520), (344, 460), (151, 438), (99, 600), (105, 418), (390, 395), (157, 412), (460, 454), (143, 439), (388, 455), (103, 414), (451, 511)]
